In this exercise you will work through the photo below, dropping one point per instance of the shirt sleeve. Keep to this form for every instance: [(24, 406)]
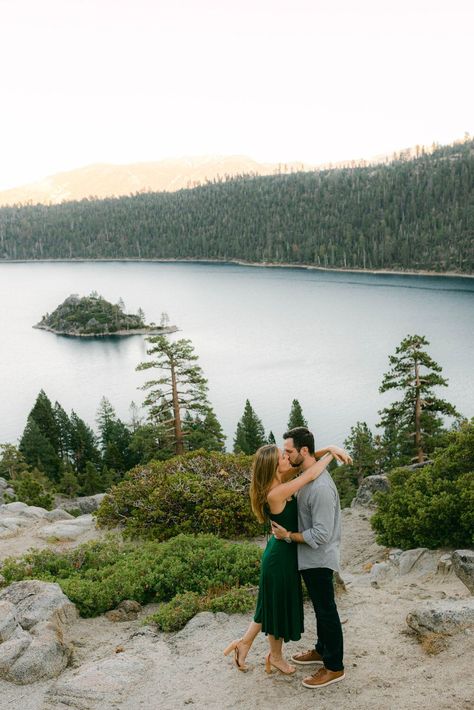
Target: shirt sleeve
[(322, 505)]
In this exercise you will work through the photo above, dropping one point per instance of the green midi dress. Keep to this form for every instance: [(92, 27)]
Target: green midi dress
[(280, 597)]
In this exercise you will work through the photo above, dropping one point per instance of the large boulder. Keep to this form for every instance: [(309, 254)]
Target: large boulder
[(420, 560), (85, 504), (445, 616), (99, 683), (369, 486), (32, 615), (67, 529), (37, 601), (463, 563)]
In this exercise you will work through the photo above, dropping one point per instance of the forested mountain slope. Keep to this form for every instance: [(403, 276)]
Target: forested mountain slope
[(410, 214)]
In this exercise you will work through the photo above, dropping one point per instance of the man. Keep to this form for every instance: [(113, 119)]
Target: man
[(319, 522)]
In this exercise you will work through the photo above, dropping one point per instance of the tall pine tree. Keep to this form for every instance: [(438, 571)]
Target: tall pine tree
[(296, 417), (250, 434)]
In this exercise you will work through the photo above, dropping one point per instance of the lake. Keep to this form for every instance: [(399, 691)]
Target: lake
[(267, 334)]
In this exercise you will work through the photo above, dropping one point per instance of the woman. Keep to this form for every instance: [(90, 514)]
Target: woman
[(279, 611)]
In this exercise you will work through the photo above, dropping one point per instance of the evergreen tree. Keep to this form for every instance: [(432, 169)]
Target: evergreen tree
[(43, 414), (181, 386), (296, 417), (412, 425), (33, 488), (12, 462), (69, 484), (115, 438), (271, 438), (203, 433), (90, 480), (38, 450), (83, 444), (250, 434), (63, 427), (360, 444)]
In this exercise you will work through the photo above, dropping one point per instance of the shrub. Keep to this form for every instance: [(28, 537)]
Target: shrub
[(197, 492), (176, 613), (235, 601), (98, 575), (432, 506)]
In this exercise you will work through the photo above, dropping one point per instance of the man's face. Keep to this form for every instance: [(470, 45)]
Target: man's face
[(294, 456)]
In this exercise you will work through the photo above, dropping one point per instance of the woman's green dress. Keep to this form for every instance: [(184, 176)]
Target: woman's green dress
[(280, 597)]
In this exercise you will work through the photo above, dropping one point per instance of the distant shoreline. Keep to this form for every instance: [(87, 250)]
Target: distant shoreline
[(115, 334), (241, 262)]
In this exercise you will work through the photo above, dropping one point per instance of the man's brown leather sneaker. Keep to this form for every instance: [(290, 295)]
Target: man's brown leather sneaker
[(307, 658), (322, 678)]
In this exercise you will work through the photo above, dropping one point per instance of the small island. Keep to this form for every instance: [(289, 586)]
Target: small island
[(92, 316)]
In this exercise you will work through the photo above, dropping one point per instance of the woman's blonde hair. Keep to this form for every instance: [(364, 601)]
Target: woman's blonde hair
[(264, 468)]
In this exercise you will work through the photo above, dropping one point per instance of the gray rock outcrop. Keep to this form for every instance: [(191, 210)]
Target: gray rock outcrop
[(444, 616), (67, 529), (86, 504), (369, 486), (5, 489), (463, 563), (98, 683), (127, 610), (32, 616)]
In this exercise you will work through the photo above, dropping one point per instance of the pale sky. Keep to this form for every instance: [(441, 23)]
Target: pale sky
[(120, 81)]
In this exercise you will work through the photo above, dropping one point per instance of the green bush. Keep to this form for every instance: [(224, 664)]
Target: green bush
[(196, 493), (176, 613), (236, 601), (100, 574), (432, 506)]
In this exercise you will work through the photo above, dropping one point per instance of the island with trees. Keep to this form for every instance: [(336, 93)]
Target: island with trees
[(93, 316)]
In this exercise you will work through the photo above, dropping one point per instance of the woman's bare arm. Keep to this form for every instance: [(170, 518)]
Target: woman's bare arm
[(277, 495)]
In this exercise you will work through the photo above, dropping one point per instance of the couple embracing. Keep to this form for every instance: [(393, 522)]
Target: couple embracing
[(305, 543)]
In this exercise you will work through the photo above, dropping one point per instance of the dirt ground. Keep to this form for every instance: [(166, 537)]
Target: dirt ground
[(385, 665)]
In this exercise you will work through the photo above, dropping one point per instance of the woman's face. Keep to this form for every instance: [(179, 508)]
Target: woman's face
[(284, 464)]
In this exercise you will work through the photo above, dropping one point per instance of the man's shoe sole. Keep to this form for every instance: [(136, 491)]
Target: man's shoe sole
[(307, 663), (324, 685)]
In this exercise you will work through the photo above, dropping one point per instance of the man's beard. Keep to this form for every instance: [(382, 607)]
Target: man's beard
[(297, 465)]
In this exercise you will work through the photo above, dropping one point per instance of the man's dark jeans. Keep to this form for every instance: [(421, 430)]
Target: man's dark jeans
[(319, 583)]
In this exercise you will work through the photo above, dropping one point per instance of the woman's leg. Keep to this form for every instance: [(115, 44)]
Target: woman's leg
[(275, 657), (242, 646)]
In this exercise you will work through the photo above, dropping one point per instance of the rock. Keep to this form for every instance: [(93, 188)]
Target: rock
[(86, 504), (98, 683), (8, 620), (33, 511), (381, 571), (66, 529), (420, 560), (445, 564), (9, 508), (445, 616), (58, 514), (45, 657), (37, 601), (369, 486), (40, 608), (463, 563), (127, 610)]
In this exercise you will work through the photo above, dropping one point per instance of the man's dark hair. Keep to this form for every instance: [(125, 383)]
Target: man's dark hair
[(301, 437)]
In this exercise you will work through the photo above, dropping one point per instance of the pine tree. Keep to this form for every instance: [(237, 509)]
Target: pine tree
[(69, 484), (63, 427), (12, 462), (115, 438), (271, 438), (412, 425), (360, 444), (181, 386), (83, 444), (38, 450), (296, 417), (203, 433), (250, 434), (90, 480)]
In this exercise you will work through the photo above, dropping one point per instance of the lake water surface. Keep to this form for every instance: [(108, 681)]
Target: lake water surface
[(267, 334)]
